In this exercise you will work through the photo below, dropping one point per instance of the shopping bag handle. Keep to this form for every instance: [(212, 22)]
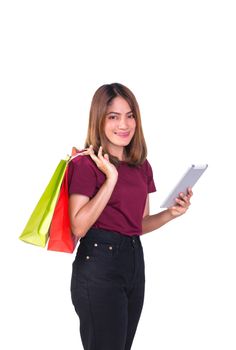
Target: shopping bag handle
[(78, 153)]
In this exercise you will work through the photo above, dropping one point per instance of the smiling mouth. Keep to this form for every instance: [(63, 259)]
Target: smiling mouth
[(122, 134)]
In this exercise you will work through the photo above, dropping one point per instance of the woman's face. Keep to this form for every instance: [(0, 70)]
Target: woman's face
[(119, 125)]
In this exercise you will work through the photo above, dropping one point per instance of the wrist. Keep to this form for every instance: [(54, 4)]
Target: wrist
[(111, 180), (169, 215)]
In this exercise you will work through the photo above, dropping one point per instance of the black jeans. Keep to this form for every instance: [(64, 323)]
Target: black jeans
[(107, 289)]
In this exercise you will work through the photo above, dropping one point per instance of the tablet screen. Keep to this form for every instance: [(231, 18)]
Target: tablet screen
[(188, 180)]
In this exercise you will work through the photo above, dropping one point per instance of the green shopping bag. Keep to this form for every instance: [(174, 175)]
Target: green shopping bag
[(36, 230)]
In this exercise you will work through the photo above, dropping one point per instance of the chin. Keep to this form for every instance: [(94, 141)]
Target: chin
[(122, 143)]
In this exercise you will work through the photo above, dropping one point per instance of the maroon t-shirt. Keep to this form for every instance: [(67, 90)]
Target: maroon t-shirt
[(124, 210)]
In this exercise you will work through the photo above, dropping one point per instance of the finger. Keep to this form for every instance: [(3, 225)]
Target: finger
[(186, 199), (181, 202), (182, 196), (91, 149), (94, 157), (92, 154), (106, 156), (100, 152), (190, 192), (88, 150)]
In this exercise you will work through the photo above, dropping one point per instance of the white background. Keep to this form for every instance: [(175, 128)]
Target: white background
[(178, 57)]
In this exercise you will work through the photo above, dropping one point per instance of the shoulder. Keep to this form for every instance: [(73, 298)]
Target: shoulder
[(83, 161), (146, 169), (82, 176), (146, 166), (84, 165)]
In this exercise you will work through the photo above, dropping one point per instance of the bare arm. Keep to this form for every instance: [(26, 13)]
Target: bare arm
[(84, 212), (153, 222)]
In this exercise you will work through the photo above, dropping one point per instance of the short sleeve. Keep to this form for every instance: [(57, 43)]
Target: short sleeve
[(151, 183), (81, 177)]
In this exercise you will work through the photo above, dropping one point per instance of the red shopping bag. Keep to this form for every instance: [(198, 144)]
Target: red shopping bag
[(61, 238)]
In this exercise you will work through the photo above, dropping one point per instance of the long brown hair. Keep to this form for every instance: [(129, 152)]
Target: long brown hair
[(136, 151)]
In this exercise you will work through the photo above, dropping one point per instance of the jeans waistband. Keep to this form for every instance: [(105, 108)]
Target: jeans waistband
[(101, 235)]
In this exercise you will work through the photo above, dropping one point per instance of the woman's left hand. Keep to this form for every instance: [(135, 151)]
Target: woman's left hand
[(182, 204)]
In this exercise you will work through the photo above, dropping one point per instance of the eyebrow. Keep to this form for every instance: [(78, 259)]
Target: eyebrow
[(119, 113)]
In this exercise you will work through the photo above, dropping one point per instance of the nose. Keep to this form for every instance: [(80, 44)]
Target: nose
[(123, 123)]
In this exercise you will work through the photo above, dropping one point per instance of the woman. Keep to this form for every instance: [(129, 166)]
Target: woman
[(109, 211)]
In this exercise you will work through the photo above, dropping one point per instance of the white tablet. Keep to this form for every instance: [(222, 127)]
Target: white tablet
[(188, 180)]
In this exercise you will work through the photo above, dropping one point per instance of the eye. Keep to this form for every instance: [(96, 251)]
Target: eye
[(130, 116), (112, 117)]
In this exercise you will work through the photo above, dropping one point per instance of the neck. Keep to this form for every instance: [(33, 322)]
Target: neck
[(118, 152)]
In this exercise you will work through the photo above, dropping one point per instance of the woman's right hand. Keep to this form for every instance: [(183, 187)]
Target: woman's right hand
[(102, 163)]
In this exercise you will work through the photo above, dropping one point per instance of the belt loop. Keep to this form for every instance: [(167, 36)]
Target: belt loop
[(133, 241)]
